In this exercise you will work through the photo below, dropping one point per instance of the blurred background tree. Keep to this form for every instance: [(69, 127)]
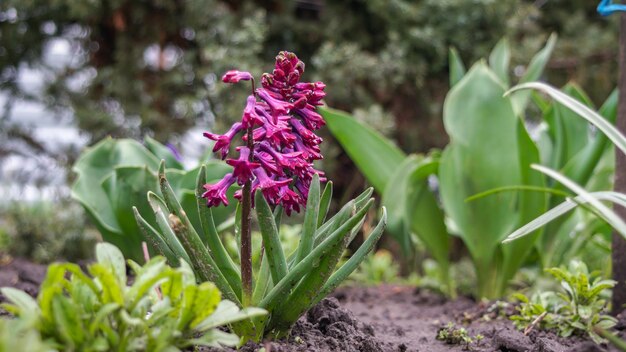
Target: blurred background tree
[(153, 67)]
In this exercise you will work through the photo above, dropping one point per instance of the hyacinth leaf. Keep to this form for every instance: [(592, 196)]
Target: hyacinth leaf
[(278, 215), (309, 227), (325, 200), (168, 235), (212, 239), (355, 260), (375, 156), (499, 60), (271, 239), (163, 153), (533, 72), (199, 256), (457, 68), (263, 281), (281, 288), (346, 211), (334, 222), (300, 298), (155, 239)]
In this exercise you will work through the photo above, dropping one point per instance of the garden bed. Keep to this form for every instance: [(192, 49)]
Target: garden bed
[(383, 318)]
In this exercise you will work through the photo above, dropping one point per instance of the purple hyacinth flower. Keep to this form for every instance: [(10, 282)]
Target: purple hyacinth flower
[(216, 193), (222, 142), (234, 76), (242, 167), (275, 103), (250, 116)]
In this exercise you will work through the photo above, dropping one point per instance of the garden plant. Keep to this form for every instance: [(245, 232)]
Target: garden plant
[(275, 170), (164, 309)]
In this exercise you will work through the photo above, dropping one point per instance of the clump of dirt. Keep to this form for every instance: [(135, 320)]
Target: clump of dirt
[(385, 318)]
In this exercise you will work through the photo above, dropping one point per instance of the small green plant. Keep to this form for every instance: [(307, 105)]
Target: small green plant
[(577, 310), (453, 335), (378, 268), (276, 173), (21, 335), (163, 310)]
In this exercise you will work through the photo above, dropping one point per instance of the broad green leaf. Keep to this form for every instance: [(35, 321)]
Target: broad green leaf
[(375, 156), (533, 72), (457, 68), (530, 205), (25, 304), (424, 216), (499, 60), (394, 198), (162, 153), (228, 312), (482, 155)]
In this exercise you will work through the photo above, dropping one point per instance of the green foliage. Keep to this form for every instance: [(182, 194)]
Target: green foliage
[(378, 268), (458, 336), (114, 175), (489, 156), (286, 284), (21, 335), (44, 231), (162, 310), (578, 310)]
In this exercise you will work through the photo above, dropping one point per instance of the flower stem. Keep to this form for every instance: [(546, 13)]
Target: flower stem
[(246, 238)]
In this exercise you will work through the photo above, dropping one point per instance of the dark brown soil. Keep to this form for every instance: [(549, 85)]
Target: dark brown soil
[(385, 318)]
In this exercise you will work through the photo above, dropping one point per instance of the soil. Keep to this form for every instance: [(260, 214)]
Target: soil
[(384, 318)]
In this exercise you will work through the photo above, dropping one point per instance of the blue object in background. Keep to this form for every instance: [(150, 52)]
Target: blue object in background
[(607, 7)]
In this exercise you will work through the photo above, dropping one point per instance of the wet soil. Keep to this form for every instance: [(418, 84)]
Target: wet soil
[(384, 318)]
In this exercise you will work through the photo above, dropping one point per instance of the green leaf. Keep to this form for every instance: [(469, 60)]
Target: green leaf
[(153, 237), (309, 227), (162, 153), (211, 237), (228, 312), (327, 197), (167, 233), (533, 72), (110, 256), (457, 68), (499, 60), (482, 155), (280, 290), (348, 267), (375, 156), (25, 305), (271, 240)]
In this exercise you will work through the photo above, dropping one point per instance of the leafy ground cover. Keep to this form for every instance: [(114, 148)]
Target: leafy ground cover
[(384, 318)]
